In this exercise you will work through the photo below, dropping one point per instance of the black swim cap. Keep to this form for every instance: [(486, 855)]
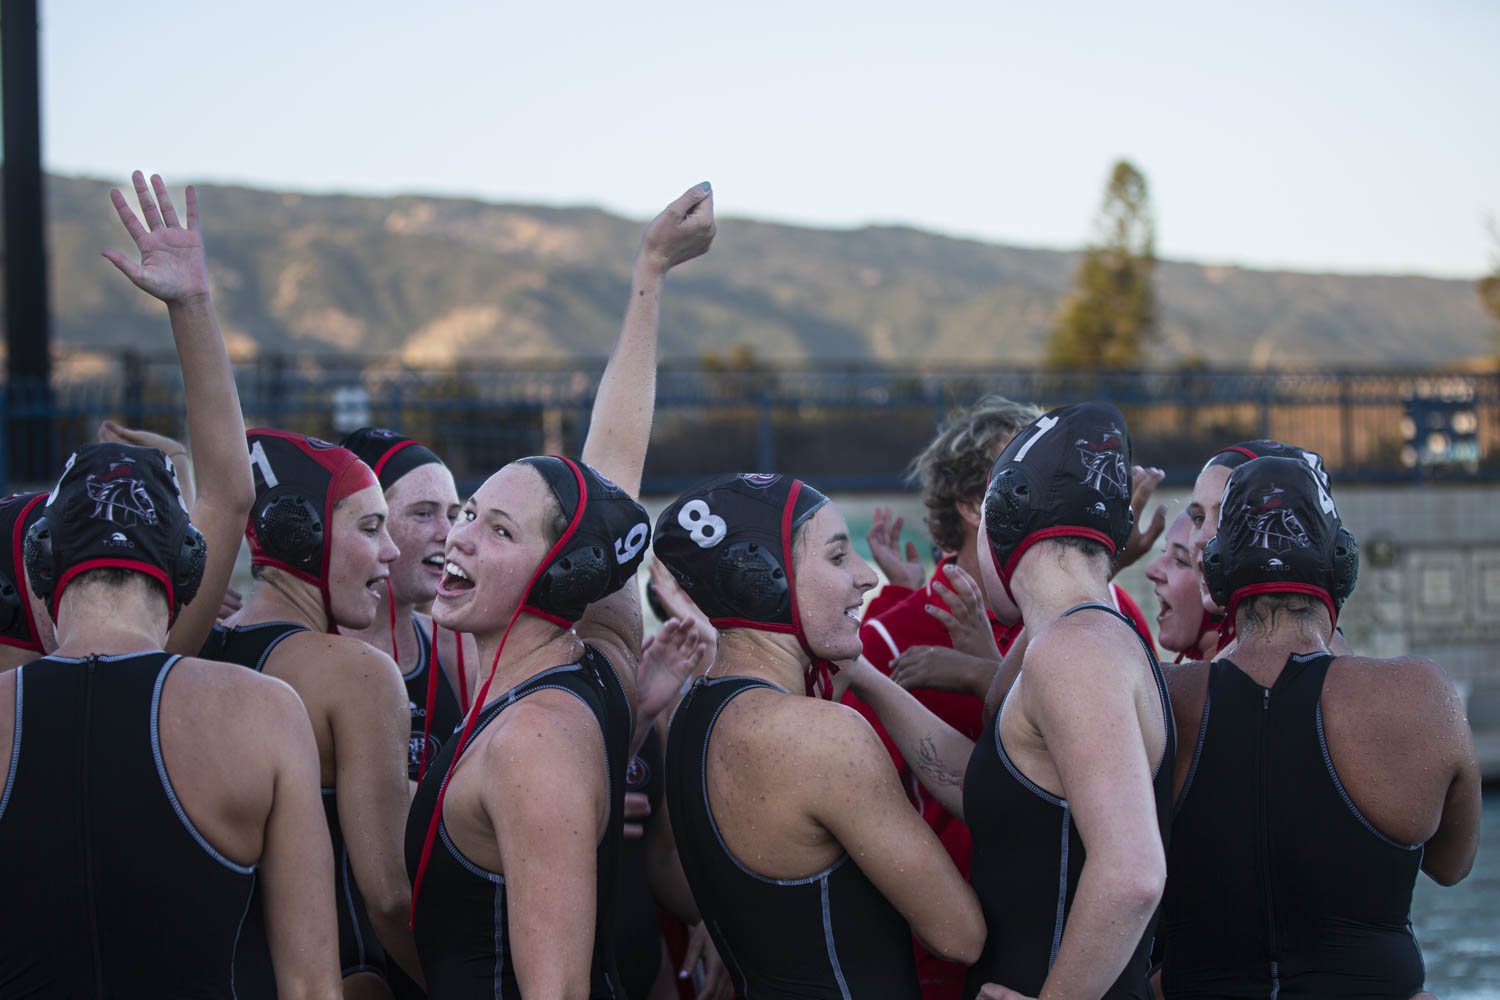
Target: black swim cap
[(728, 543), (1065, 475), (298, 482), (389, 455), (606, 539), (17, 627), (118, 506), (1279, 532), (1237, 455)]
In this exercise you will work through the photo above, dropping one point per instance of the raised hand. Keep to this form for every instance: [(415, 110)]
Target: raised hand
[(173, 266), (943, 669), (885, 545), (682, 231), (669, 659), (1143, 482), (968, 617), (680, 605)]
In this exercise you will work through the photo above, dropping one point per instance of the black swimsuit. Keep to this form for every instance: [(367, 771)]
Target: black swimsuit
[(461, 916), (446, 715), (831, 934), (111, 890), (1028, 857), (359, 948), (1279, 886)]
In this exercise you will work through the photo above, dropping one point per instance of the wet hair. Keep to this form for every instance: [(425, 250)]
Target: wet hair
[(1089, 547), (954, 466), (1261, 609)]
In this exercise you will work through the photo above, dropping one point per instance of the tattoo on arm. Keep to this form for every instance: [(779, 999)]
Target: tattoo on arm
[(934, 766)]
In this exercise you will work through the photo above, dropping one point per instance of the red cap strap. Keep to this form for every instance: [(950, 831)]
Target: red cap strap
[(1226, 627), (1060, 531), (156, 573), (474, 710), (380, 463)]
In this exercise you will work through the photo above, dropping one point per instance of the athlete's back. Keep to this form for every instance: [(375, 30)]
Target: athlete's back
[(138, 832)]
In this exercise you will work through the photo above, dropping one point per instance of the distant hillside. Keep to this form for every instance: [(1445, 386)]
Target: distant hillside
[(434, 280)]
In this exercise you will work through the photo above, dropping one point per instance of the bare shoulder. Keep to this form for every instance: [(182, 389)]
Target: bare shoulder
[(1409, 687), (1401, 685), (809, 736), (547, 745), (211, 683), (1081, 646), (353, 667), (1187, 685)]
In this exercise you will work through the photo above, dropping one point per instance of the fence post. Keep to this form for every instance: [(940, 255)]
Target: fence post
[(1265, 406), (765, 451)]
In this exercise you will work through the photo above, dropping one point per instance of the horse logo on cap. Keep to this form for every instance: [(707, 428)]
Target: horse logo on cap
[(119, 497), (1272, 526), (1104, 464)]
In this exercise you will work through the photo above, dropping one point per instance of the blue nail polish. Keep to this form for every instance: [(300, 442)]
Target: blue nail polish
[(706, 187)]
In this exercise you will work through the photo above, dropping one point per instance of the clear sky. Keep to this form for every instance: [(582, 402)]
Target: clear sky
[(1354, 136)]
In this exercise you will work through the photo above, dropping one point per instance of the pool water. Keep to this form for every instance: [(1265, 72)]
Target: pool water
[(1459, 928)]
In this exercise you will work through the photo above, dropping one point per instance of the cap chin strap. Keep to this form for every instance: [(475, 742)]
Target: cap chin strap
[(472, 716)]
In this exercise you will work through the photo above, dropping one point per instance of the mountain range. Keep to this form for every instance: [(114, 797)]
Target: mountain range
[(436, 281)]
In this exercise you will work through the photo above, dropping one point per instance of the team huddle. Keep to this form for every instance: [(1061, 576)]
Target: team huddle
[(436, 753)]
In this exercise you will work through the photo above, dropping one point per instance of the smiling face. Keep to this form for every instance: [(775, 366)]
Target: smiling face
[(502, 535), (423, 506), (1175, 574), (1203, 510), (360, 556), (831, 581)]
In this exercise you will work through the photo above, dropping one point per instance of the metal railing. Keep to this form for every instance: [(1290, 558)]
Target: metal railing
[(846, 426)]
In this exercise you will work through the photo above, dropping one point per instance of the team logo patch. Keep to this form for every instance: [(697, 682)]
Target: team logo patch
[(1273, 526), (320, 443), (1104, 463), (760, 480), (418, 747), (119, 497), (117, 540)]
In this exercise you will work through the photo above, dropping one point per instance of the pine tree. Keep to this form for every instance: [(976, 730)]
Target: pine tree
[(1110, 316)]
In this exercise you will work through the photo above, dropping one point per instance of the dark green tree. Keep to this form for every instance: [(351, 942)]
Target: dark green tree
[(1110, 315)]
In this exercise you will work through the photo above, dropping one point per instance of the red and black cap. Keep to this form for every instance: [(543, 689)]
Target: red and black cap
[(116, 506), (1237, 455), (1066, 474), (389, 455), (17, 627), (606, 539), (728, 543), (298, 482), (1279, 532)]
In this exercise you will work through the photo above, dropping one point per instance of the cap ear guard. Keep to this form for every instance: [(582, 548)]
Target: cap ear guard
[(289, 528), (1345, 566), (39, 566), (1008, 512), (753, 580), (1215, 573), (576, 579)]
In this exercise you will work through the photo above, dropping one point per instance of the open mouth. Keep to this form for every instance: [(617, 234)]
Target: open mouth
[(455, 581), (1166, 606), (853, 613), (434, 563), (375, 585)]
